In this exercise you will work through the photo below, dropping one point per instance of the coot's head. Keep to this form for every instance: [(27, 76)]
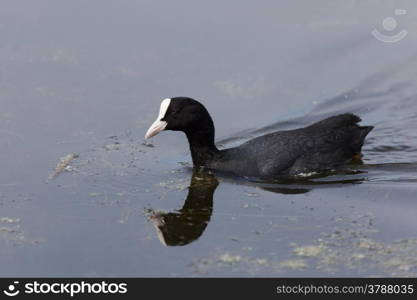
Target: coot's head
[(181, 114)]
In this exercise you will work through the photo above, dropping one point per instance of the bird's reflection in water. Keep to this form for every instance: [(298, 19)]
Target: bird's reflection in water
[(181, 227), (184, 226)]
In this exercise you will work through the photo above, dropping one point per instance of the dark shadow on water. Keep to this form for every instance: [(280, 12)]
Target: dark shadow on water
[(181, 227), (186, 225)]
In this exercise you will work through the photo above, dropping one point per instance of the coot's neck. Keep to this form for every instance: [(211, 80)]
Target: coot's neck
[(203, 149)]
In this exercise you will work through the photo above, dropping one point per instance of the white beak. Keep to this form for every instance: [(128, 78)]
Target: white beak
[(155, 128), (159, 125)]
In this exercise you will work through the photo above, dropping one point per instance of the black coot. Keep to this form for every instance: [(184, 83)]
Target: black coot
[(319, 147)]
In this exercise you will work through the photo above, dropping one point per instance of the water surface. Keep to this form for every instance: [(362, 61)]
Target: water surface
[(87, 78)]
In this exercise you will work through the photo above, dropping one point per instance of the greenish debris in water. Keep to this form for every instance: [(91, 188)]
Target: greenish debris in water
[(310, 251), (261, 261), (10, 229), (350, 246), (229, 259), (63, 165), (11, 232), (294, 264), (9, 220)]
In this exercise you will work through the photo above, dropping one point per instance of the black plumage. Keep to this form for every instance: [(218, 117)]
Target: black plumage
[(319, 147)]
